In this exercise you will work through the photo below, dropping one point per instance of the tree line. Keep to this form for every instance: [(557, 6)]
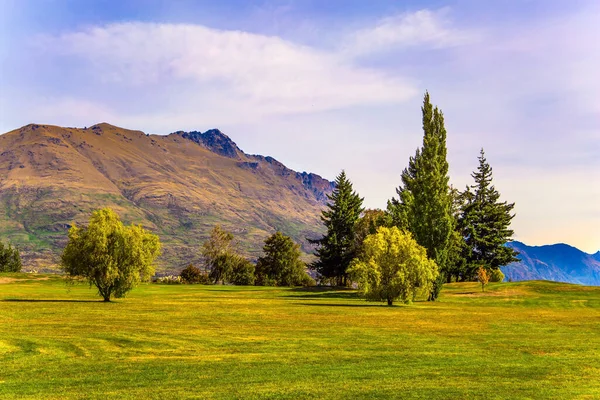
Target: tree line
[(431, 233)]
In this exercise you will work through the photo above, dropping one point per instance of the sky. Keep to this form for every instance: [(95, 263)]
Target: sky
[(325, 86)]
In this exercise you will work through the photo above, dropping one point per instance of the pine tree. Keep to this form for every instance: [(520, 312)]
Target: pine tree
[(424, 204), (486, 223), (338, 248)]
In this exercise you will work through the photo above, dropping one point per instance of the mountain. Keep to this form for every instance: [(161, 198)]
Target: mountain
[(558, 262), (178, 185)]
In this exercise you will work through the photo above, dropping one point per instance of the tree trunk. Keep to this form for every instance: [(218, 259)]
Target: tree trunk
[(390, 301)]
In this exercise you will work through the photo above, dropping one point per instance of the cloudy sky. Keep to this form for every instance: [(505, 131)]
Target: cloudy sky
[(323, 86)]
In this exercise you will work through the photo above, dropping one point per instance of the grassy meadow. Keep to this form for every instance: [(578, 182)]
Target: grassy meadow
[(530, 340)]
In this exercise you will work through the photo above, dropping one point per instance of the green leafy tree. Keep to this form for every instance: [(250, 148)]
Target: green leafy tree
[(192, 274), (368, 223), (486, 223), (338, 248), (217, 253), (222, 261), (10, 259), (109, 255), (392, 266), (281, 265), (242, 272), (424, 204)]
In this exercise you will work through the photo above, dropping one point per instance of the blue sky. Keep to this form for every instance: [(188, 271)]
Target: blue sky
[(323, 86)]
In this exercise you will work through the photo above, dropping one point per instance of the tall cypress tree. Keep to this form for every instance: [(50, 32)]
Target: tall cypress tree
[(338, 247), (486, 223), (424, 204)]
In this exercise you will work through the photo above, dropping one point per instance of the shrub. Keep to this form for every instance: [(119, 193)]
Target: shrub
[(496, 276), (191, 274), (483, 277), (242, 272)]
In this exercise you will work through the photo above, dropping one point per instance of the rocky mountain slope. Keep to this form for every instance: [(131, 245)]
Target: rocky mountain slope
[(179, 186), (558, 262)]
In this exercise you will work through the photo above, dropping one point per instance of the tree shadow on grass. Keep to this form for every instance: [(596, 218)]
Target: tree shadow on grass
[(323, 293), (344, 305), (51, 301)]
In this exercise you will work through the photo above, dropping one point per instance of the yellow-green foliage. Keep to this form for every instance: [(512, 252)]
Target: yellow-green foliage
[(496, 275), (111, 256), (483, 277), (392, 266)]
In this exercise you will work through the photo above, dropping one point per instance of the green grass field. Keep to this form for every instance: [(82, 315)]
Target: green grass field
[(534, 340)]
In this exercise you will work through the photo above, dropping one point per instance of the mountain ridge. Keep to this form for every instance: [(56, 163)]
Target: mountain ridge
[(178, 185), (557, 262)]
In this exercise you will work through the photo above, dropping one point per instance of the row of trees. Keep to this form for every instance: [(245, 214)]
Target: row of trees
[(459, 231), (114, 258), (280, 264)]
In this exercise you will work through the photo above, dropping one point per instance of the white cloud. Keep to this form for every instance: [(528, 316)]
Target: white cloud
[(266, 74), (431, 29)]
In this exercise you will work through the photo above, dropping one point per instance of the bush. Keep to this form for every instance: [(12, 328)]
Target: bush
[(191, 274), (496, 276), (242, 272), (10, 259)]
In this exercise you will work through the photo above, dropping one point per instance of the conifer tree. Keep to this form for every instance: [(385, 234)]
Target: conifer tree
[(338, 248), (486, 223), (424, 204)]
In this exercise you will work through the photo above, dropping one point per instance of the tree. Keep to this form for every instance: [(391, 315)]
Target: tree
[(109, 255), (392, 266), (337, 248), (368, 224), (192, 274), (281, 265), (242, 272), (217, 252), (10, 259), (483, 277), (424, 204), (486, 223), (222, 262)]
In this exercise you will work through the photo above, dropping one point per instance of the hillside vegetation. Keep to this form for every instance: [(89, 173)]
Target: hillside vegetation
[(179, 186), (533, 340)]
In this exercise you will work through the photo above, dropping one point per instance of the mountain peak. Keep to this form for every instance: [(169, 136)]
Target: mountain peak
[(215, 141)]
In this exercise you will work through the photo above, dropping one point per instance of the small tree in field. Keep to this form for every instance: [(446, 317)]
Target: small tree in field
[(109, 255), (191, 274), (483, 277), (392, 266), (281, 264), (10, 259)]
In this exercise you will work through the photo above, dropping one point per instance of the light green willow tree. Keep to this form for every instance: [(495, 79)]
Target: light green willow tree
[(109, 255), (392, 266)]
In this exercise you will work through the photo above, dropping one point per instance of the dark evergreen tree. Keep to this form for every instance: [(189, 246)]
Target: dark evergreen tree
[(10, 259), (338, 247), (424, 204), (281, 265), (486, 223)]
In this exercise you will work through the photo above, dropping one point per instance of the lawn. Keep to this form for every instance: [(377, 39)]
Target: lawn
[(531, 340)]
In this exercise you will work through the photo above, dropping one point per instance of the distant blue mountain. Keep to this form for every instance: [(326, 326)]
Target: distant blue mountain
[(557, 262)]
